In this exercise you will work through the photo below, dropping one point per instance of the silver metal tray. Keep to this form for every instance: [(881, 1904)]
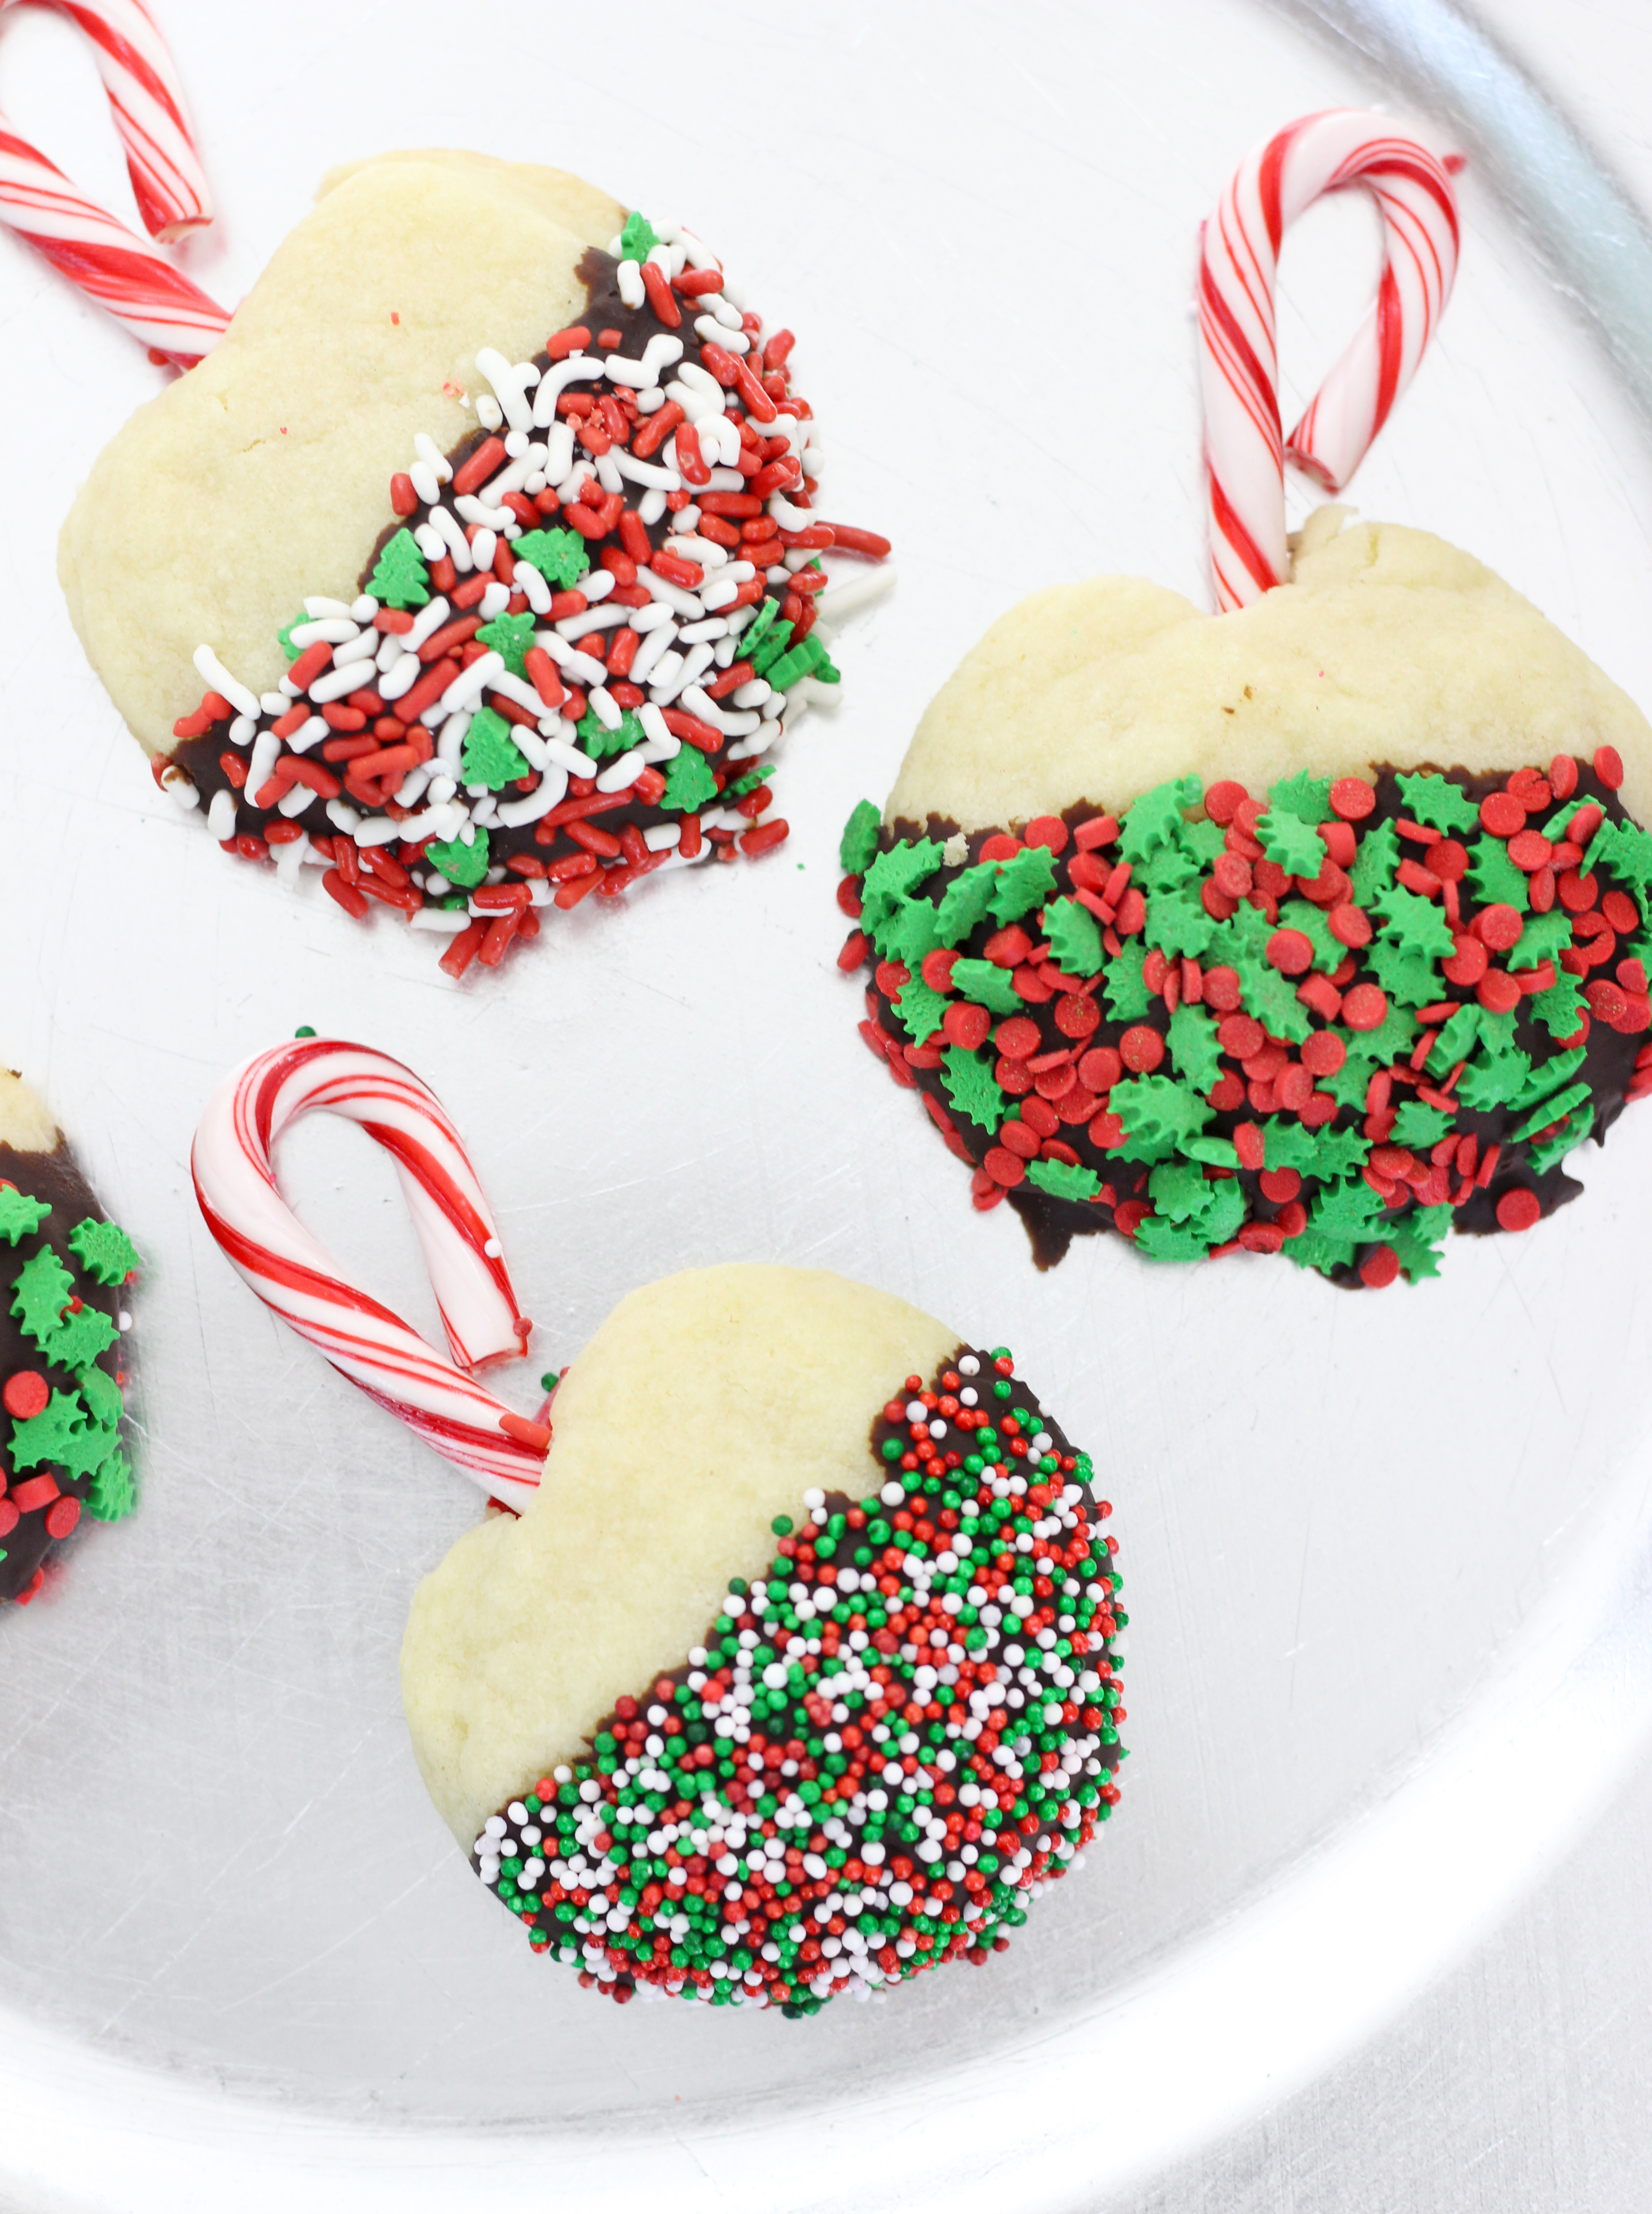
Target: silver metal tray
[(1385, 1557)]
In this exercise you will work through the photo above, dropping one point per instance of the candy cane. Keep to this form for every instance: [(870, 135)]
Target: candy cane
[(109, 262), (293, 1273), (1238, 361)]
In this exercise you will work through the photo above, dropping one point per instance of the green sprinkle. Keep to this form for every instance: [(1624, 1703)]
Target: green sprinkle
[(19, 1216), (511, 636), (639, 238), (559, 555), (1062, 1180), (459, 863), (1075, 938), (1438, 802), (690, 782), (490, 755), (970, 1084), (988, 986), (103, 1249), (1286, 838), (400, 579), (859, 840)]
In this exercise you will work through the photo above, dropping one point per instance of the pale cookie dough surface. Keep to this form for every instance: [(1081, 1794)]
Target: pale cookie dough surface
[(26, 1123), (704, 1406), (1387, 646), (264, 474)]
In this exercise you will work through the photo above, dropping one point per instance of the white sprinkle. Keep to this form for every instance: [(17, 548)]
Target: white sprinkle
[(221, 815), (333, 683), (628, 279), (508, 384), (433, 457), (551, 790), (554, 384), (218, 678)]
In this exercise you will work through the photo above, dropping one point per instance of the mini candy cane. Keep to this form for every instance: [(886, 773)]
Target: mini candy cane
[(109, 262), (1238, 358), (293, 1273)]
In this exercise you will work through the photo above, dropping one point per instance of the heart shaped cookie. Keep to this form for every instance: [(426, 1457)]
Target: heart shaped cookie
[(797, 1677), (65, 1269), (1317, 926), (487, 525)]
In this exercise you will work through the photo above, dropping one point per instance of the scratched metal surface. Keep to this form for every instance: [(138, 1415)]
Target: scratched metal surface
[(1382, 1556)]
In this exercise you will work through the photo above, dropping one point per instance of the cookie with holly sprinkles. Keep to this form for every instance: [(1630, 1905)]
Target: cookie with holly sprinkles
[(65, 1268), (798, 1676), (489, 527), (1317, 926)]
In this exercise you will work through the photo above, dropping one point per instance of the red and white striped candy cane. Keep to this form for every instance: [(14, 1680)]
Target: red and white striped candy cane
[(1238, 360), (293, 1273), (108, 261)]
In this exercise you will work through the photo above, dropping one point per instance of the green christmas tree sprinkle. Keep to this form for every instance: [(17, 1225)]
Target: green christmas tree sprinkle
[(459, 863), (511, 636), (559, 555), (690, 783), (489, 755), (400, 579), (639, 238)]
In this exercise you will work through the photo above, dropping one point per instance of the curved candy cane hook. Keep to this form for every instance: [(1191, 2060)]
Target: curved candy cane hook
[(293, 1275), (1238, 360), (110, 263)]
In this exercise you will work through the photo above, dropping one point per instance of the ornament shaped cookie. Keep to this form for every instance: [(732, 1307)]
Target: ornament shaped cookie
[(1317, 926), (488, 526), (794, 1671), (65, 1268)]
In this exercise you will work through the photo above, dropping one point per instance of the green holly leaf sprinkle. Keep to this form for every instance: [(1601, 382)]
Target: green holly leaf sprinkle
[(1336, 1152), (1419, 1126), (1166, 870), (79, 1338), (1393, 1038), (1272, 999), (1415, 923), (400, 579), (1179, 1191), (19, 1215), (859, 840), (103, 1250), (1308, 797), (1456, 1038), (974, 1091), (1193, 1047), (559, 555), (1417, 1237), (1075, 938), (1128, 997), (912, 931), (764, 658), (511, 636), (1541, 937), (1561, 1007), (102, 1397), (112, 1493), (1308, 1250), (1204, 840), (889, 878), (1492, 1080), (1495, 881), (1177, 924), (44, 1289), (1548, 1076), (1551, 1110), (1409, 977), (1374, 864), (459, 863), (1348, 1085), (1349, 1210), (689, 784), (1162, 1239), (1062, 1180), (61, 1435), (1289, 1144), (919, 1009), (1624, 850), (489, 755), (1159, 1110), (1153, 819), (966, 902), (1025, 881), (1565, 1140), (1286, 838), (988, 986), (1438, 802)]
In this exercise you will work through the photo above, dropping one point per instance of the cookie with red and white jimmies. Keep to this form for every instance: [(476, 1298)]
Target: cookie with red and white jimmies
[(1319, 926), (832, 1694), (488, 528)]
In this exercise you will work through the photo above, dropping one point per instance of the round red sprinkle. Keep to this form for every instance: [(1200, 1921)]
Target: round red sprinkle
[(1348, 925), (1231, 872), (1021, 1141), (1323, 1053), (1247, 1144), (1038, 1115), (1076, 1016), (936, 969), (9, 1517), (1055, 1083), (1140, 1048), (1501, 814), (1262, 1237), (61, 1516), (1609, 766), (1017, 1037), (1366, 1008), (1498, 992), (1498, 926), (1221, 990), (1226, 1093), (1529, 850), (966, 1024), (1077, 1105), (1241, 1035), (25, 1394), (1002, 1166), (1562, 776), (1620, 911), (1129, 1217), (1382, 1269), (1447, 859), (1293, 1218), (1014, 1076), (1291, 951), (1223, 800), (1050, 832), (1281, 1184), (1107, 1131), (1519, 1208), (1294, 1087), (1470, 961), (1577, 894), (1100, 1069), (1352, 799), (1000, 846)]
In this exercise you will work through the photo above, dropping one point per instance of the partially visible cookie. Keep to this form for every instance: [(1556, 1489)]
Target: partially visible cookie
[(64, 1267)]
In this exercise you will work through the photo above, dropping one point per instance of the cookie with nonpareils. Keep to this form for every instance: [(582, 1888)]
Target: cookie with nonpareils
[(1318, 927), (797, 1675)]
